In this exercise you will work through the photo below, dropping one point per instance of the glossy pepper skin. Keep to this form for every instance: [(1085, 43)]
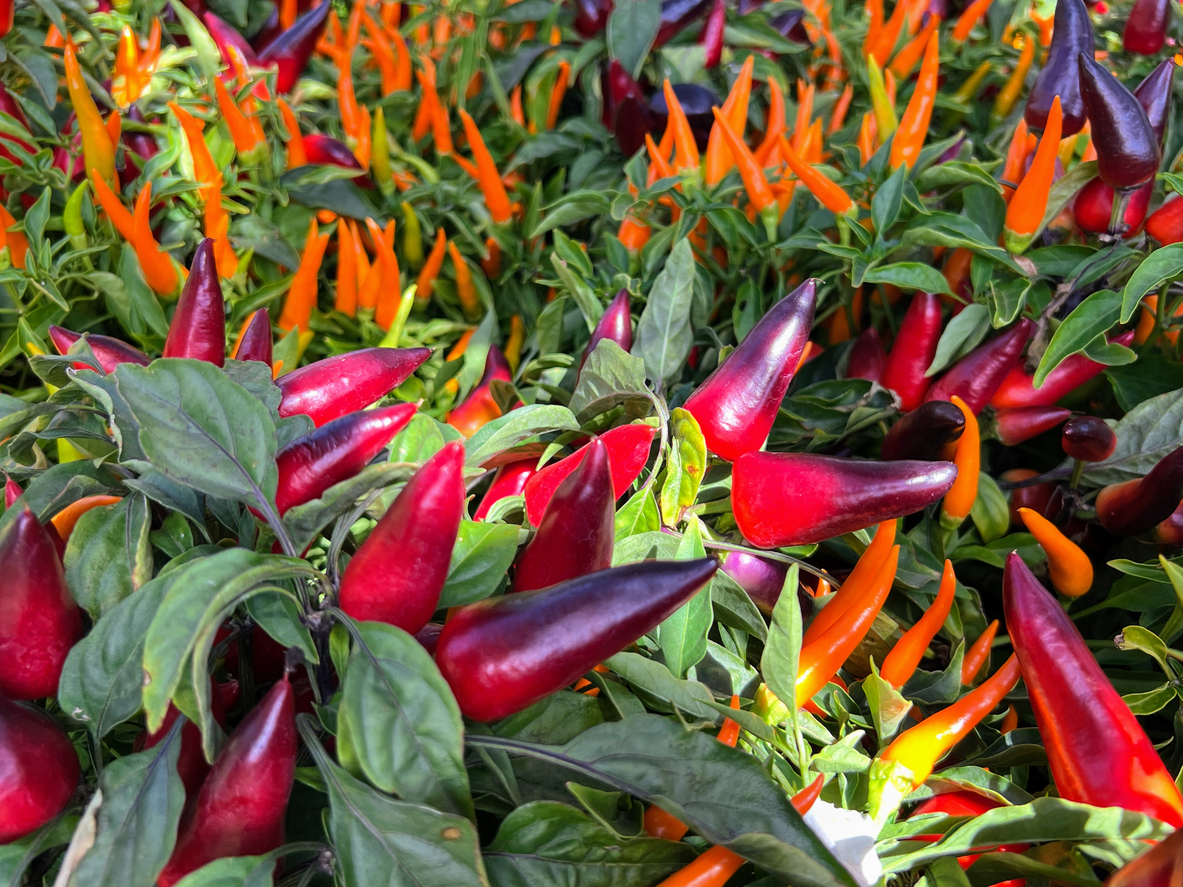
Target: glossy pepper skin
[(1088, 438), (1018, 424), (510, 480), (227, 39), (1159, 866), (924, 433), (335, 452), (796, 498), (737, 404), (977, 376), (615, 324), (398, 572), (198, 328), (628, 451), (330, 388), (255, 343), (1060, 75), (39, 621), (1097, 750), (1018, 388), (591, 16), (1166, 223), (627, 109), (108, 351), (577, 529), (290, 51), (1154, 95), (480, 408), (914, 349), (1146, 27), (763, 579), (867, 357), (40, 770), (1093, 208), (1133, 507), (240, 808), (1128, 151), (503, 654)]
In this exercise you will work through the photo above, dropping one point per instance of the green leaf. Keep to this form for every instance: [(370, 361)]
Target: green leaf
[(548, 844), (888, 706), (208, 55), (638, 515), (961, 336), (305, 522), (779, 662), (235, 871), (480, 560), (517, 427), (1088, 320), (421, 439), (1163, 265), (888, 199), (202, 430), (611, 378), (685, 466), (108, 555), (990, 511), (404, 724), (632, 28), (142, 797), (910, 276), (683, 635), (664, 336), (663, 691), (1007, 300)]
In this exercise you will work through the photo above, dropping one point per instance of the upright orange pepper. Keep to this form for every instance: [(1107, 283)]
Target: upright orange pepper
[(874, 10), (905, 60), (1013, 88), (383, 52), (840, 110), (718, 161), (441, 128), (425, 113), (805, 95), (970, 17), (98, 152), (866, 139), (960, 498), (205, 171), (346, 98), (513, 345), (856, 583), (515, 106), (884, 44), (828, 193), (901, 662), (157, 265), (756, 185), (346, 300), (633, 234), (773, 130), (113, 207), (1024, 213), (431, 268), (557, 94), (978, 654), (1070, 568), (913, 127), (297, 308), (297, 156), (16, 241), (217, 227), (492, 265), (489, 181), (1016, 156), (403, 70), (465, 288), (685, 149), (245, 136), (390, 291)]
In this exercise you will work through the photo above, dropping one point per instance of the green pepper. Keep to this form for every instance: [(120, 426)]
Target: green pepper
[(412, 237)]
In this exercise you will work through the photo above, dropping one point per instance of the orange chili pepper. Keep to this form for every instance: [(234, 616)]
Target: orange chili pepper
[(1070, 568), (297, 156), (113, 207), (204, 168), (403, 69), (828, 193), (805, 94), (856, 583), (489, 179), (913, 127), (66, 519), (905, 60), (659, 167), (390, 291), (346, 98), (1009, 94), (978, 654), (465, 289), (960, 498), (157, 265), (713, 868), (557, 94), (633, 234), (811, 147), (970, 17), (54, 38), (866, 139), (287, 13), (885, 42), (346, 301), (874, 10), (441, 127), (840, 110), (1010, 721), (804, 800), (685, 149), (766, 153), (718, 160), (217, 227), (1016, 155), (729, 732), (383, 52), (901, 662), (755, 184), (297, 308), (16, 241), (515, 106), (363, 143), (98, 151), (244, 135), (1024, 213), (353, 26), (425, 113), (821, 659), (431, 268), (492, 265)]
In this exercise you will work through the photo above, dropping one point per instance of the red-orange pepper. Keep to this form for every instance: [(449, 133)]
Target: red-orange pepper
[(901, 662), (431, 269), (856, 583), (557, 93), (346, 300), (960, 499), (98, 151), (718, 160), (978, 654), (297, 156), (766, 153), (913, 127), (159, 270), (755, 184), (828, 193), (205, 171), (489, 180)]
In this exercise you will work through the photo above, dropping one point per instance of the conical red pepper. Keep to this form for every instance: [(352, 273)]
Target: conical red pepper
[(867, 357), (12, 491), (109, 352), (290, 51), (510, 480), (398, 573), (1018, 388), (1128, 150), (255, 341), (479, 408), (191, 764), (795, 498), (40, 770), (913, 351), (616, 324), (924, 433), (628, 451), (1146, 27), (1166, 223), (1019, 424), (503, 654), (39, 621), (1133, 507), (335, 452), (240, 808), (1096, 749), (1060, 75), (976, 377), (330, 388), (577, 529), (198, 328), (737, 404)]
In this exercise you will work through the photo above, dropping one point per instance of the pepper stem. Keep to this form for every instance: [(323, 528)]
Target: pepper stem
[(1077, 471), (1117, 225)]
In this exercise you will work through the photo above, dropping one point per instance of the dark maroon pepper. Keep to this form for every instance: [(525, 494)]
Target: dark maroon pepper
[(791, 26), (332, 387), (255, 342), (977, 376), (627, 109), (1133, 507), (616, 324), (1060, 75), (325, 150), (762, 578), (924, 433), (1088, 439), (198, 328), (1154, 95), (867, 357), (591, 16), (676, 15), (290, 51), (1128, 152), (109, 352)]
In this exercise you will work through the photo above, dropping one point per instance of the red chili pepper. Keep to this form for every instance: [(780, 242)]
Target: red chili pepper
[(711, 37), (1035, 497), (1018, 389), (12, 492), (626, 110), (330, 388), (913, 351), (1097, 750), (867, 357), (978, 654), (510, 480), (1060, 74), (480, 408), (900, 664), (1146, 27), (576, 532), (1128, 150), (503, 654), (241, 806), (108, 351), (40, 621), (290, 51), (628, 451), (40, 769), (797, 498), (228, 40), (924, 433), (737, 404), (399, 571), (1093, 208), (254, 341), (616, 324), (1133, 507), (1166, 223), (198, 328), (1018, 424), (335, 452), (977, 376)]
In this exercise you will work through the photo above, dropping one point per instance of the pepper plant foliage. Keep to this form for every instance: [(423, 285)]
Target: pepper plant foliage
[(573, 280)]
